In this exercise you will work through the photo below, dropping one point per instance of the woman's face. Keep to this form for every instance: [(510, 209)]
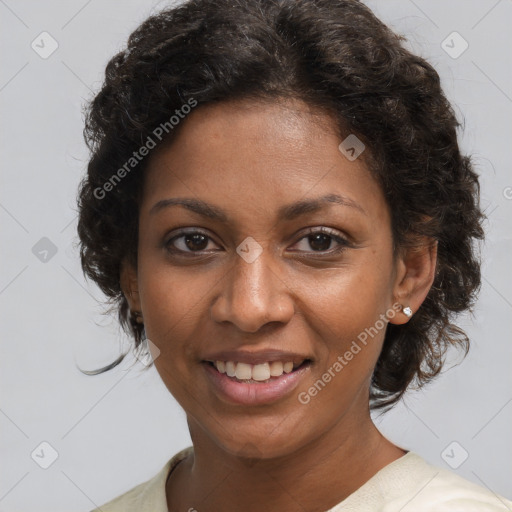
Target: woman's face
[(262, 268)]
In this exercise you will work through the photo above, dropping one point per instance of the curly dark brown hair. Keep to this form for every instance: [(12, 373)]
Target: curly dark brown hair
[(335, 55)]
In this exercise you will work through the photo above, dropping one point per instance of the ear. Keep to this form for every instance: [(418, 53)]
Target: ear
[(415, 273), (129, 285)]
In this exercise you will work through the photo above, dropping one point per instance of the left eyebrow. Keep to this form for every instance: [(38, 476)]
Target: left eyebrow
[(294, 210), (287, 212)]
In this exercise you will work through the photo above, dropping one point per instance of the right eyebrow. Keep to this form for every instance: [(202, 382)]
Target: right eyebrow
[(195, 205)]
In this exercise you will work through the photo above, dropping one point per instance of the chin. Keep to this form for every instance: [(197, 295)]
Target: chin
[(260, 445)]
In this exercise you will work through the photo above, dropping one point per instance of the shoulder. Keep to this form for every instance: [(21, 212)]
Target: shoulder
[(148, 496), (410, 484), (433, 489)]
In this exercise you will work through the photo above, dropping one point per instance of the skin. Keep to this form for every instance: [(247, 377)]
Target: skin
[(250, 159)]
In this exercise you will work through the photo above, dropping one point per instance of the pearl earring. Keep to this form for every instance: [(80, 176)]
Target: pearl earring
[(407, 311)]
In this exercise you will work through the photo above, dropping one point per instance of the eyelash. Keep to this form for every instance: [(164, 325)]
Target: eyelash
[(343, 242)]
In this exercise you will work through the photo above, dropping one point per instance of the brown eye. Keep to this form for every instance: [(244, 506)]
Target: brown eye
[(193, 241), (197, 242), (321, 241)]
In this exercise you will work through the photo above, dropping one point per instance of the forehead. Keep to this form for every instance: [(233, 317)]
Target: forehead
[(254, 156)]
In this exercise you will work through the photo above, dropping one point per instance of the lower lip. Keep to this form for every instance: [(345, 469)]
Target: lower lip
[(248, 393)]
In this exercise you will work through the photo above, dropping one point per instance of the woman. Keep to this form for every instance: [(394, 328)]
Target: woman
[(277, 203)]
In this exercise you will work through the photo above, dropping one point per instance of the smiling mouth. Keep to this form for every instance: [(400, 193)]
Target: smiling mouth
[(257, 374), (243, 384)]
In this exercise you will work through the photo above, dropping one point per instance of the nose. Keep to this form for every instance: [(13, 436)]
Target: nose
[(253, 295)]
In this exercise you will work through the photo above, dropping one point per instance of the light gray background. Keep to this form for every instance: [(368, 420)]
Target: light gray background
[(118, 429)]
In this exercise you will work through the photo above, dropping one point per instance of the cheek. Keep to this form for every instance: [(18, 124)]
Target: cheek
[(345, 308), (346, 300), (173, 310), (174, 302)]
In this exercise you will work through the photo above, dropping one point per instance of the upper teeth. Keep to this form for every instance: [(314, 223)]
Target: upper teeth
[(244, 371)]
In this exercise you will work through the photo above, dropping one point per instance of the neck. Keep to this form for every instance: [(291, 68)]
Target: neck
[(315, 477)]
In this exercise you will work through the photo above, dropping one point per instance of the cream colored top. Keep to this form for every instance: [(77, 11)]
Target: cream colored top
[(408, 484)]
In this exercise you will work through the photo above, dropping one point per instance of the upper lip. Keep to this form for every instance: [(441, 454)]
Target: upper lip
[(256, 357)]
